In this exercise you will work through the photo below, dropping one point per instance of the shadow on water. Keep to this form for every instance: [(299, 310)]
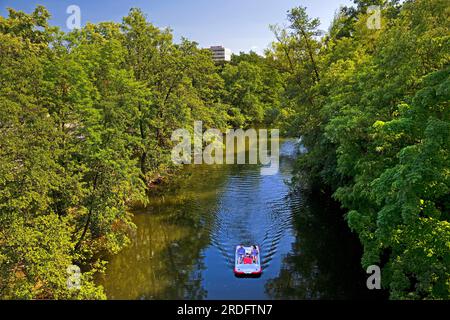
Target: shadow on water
[(324, 262), (183, 247)]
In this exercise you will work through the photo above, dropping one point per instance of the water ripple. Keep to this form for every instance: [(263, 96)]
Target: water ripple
[(254, 209)]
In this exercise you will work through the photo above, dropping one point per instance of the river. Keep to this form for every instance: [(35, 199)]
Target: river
[(183, 247)]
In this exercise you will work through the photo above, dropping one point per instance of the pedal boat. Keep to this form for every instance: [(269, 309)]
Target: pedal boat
[(251, 269)]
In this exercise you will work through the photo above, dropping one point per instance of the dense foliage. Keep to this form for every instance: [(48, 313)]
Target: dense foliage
[(372, 106), (86, 119)]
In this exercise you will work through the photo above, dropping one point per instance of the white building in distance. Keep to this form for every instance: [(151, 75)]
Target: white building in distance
[(220, 53)]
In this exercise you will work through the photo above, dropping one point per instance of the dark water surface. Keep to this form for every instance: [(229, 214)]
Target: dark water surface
[(183, 247)]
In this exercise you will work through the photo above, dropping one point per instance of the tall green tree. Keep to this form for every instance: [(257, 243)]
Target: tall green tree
[(375, 136)]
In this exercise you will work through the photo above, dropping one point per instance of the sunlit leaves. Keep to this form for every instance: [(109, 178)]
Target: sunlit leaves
[(384, 115)]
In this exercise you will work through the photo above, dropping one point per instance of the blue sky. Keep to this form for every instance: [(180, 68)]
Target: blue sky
[(240, 25)]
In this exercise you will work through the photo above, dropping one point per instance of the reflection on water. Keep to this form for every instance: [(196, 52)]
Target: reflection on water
[(184, 244), (324, 262)]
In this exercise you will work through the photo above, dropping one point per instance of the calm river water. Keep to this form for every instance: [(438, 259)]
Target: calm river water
[(183, 247)]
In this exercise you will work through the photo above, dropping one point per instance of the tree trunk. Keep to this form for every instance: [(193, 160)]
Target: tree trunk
[(310, 53)]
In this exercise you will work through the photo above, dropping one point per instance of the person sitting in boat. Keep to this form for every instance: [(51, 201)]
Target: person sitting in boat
[(255, 254), (241, 253), (248, 259)]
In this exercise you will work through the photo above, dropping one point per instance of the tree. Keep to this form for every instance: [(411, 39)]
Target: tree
[(375, 136), (35, 232)]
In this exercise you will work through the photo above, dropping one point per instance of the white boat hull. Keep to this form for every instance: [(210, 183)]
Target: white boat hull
[(253, 269)]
